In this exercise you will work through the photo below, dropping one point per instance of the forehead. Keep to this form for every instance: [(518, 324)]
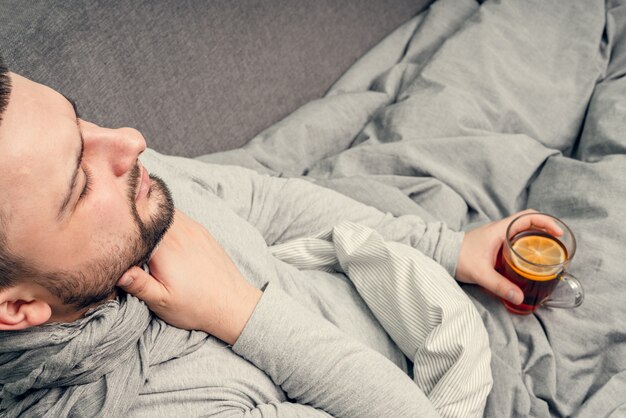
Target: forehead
[(38, 140), (34, 113)]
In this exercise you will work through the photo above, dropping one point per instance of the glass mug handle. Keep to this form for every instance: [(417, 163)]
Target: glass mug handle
[(568, 293)]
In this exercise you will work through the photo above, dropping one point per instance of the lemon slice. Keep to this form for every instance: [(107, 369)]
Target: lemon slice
[(539, 250)]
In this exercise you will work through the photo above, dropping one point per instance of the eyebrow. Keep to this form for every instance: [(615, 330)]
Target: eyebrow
[(79, 160)]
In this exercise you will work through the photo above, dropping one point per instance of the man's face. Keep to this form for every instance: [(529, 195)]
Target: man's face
[(84, 221)]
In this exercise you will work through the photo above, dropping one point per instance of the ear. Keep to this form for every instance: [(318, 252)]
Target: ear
[(19, 309)]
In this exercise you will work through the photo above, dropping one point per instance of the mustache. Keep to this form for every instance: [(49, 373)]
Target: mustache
[(133, 183)]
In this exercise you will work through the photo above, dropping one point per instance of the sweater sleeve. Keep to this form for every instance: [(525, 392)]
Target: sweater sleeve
[(319, 366), (283, 209)]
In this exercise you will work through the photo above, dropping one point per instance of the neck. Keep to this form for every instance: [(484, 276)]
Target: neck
[(67, 313)]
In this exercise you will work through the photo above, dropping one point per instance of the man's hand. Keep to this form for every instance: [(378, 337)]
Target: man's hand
[(193, 283), (479, 253)]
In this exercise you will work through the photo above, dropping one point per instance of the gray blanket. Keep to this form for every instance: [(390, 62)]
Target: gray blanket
[(471, 112)]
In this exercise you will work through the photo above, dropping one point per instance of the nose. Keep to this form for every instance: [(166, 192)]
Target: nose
[(118, 148)]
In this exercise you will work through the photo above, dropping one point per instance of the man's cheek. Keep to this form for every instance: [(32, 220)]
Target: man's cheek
[(110, 207), (69, 250)]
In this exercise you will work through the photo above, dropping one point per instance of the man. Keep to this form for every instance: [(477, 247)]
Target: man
[(79, 211)]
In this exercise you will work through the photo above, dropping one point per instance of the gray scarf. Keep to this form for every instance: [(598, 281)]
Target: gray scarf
[(95, 366)]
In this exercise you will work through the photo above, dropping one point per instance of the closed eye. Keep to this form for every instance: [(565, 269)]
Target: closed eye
[(88, 183)]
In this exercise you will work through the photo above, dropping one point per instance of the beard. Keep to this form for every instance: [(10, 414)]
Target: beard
[(96, 282)]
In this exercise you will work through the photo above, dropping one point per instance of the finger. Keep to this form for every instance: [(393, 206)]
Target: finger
[(520, 213), (501, 287), (142, 285), (537, 221), (547, 223)]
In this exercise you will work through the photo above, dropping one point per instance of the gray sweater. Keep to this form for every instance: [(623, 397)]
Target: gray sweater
[(312, 343)]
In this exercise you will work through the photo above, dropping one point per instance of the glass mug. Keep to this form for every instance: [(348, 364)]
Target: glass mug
[(534, 257)]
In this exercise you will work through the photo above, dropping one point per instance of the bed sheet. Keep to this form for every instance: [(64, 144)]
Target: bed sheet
[(472, 111)]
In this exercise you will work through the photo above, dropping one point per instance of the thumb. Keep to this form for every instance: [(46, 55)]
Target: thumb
[(502, 287), (142, 285)]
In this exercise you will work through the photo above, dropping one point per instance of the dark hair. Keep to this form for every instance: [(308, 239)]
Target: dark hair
[(10, 266), (5, 87)]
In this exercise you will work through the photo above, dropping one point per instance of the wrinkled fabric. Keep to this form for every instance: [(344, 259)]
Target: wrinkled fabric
[(473, 111)]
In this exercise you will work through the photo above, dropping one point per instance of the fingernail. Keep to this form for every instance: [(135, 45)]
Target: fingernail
[(126, 280), (511, 296)]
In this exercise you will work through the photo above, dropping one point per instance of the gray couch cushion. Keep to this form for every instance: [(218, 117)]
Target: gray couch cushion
[(193, 76)]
